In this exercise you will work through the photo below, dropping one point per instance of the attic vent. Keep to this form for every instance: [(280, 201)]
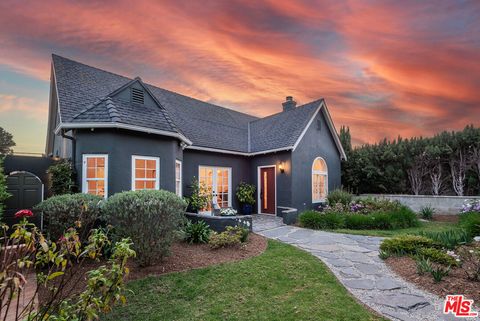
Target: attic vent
[(138, 96)]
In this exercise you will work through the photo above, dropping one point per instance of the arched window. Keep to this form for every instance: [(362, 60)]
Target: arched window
[(319, 180)]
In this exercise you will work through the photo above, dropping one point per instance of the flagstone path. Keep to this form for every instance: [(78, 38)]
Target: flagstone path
[(354, 261)]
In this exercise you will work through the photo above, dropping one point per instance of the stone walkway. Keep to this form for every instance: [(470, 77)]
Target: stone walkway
[(355, 262)]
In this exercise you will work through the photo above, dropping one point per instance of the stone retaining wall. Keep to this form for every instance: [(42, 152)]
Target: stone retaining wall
[(443, 205)]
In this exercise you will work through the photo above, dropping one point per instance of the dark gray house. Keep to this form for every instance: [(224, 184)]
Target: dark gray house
[(123, 134)]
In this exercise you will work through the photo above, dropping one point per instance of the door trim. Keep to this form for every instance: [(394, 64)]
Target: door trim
[(259, 187)]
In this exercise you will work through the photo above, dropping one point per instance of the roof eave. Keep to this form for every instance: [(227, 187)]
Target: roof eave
[(122, 126)]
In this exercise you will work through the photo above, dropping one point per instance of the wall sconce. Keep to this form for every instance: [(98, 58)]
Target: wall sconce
[(282, 167)]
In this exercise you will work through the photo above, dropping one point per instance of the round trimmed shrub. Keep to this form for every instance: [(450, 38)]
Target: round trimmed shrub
[(339, 196), (406, 244), (70, 210), (150, 218)]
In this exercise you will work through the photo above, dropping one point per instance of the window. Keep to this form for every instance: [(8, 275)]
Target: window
[(145, 172), (319, 180), (178, 178), (95, 175)]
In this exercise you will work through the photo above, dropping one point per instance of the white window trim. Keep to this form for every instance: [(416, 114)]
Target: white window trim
[(230, 191), (325, 173), (157, 167), (84, 172), (181, 177), (259, 180)]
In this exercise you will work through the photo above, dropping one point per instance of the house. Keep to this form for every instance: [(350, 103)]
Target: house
[(123, 134)]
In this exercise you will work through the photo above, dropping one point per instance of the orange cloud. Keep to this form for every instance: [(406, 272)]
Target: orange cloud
[(385, 68)]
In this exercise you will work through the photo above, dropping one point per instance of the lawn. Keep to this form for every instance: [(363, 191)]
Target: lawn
[(424, 226), (284, 283)]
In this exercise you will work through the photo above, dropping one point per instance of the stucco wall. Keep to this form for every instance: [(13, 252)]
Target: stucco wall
[(192, 159), (441, 204), (284, 180), (317, 142), (120, 145)]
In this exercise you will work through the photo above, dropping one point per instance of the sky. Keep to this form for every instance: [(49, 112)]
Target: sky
[(385, 68)]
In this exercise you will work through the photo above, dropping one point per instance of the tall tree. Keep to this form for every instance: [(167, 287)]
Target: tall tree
[(346, 139), (6, 142)]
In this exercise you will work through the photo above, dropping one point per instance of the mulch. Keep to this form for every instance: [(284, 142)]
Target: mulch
[(183, 257), (446, 218), (455, 283)]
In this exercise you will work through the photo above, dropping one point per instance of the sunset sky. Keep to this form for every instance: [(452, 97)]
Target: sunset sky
[(385, 68)]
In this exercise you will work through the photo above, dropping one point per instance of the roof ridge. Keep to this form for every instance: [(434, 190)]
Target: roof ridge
[(281, 112), (91, 106)]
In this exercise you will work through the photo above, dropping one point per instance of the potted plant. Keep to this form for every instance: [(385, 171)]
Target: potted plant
[(246, 197)]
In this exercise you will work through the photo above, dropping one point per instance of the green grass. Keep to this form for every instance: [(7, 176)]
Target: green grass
[(424, 226), (284, 283)]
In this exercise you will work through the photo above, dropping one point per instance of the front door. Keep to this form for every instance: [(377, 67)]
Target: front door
[(267, 190)]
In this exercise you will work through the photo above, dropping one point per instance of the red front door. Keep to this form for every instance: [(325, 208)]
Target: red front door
[(267, 190)]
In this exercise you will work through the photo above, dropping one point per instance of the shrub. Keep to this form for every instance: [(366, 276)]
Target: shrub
[(359, 222), (439, 272), (319, 220), (406, 244), (61, 178), (470, 221), (232, 236), (243, 232), (403, 217), (150, 218), (65, 211), (426, 212), (3, 188), (339, 196), (56, 268), (436, 255), (197, 232), (450, 238), (423, 265)]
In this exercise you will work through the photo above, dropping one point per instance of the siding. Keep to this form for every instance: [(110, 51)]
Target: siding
[(315, 143), (192, 159), (120, 145)]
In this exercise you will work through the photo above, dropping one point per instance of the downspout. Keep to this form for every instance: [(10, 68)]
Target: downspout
[(74, 148)]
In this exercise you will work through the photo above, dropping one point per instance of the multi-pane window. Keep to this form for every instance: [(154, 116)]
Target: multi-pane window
[(178, 178), (95, 175), (145, 172), (319, 180)]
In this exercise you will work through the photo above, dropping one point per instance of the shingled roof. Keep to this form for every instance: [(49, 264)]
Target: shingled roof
[(86, 96)]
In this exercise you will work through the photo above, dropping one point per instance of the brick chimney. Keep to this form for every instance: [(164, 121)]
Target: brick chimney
[(289, 103)]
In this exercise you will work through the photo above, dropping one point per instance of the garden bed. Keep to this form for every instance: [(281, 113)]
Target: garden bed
[(183, 257), (454, 283)]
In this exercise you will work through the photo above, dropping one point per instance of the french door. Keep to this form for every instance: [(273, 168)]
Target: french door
[(218, 183)]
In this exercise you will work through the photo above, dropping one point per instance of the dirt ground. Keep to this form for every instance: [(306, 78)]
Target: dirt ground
[(183, 257), (455, 283)]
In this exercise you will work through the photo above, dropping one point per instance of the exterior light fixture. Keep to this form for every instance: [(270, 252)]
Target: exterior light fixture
[(282, 167)]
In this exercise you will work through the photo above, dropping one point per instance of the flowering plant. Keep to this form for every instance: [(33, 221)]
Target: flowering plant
[(23, 213), (471, 206), (228, 212)]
